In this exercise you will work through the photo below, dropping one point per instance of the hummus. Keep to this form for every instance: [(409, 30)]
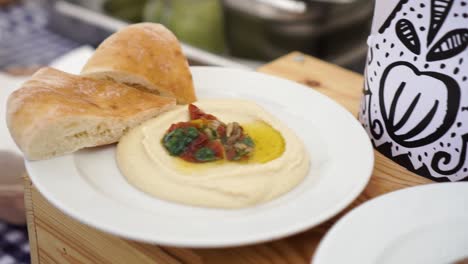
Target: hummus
[(146, 164)]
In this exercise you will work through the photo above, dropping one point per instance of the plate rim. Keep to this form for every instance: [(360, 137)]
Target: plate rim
[(273, 235), (329, 237)]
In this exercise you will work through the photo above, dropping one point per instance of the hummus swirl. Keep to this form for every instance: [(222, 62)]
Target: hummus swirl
[(146, 164)]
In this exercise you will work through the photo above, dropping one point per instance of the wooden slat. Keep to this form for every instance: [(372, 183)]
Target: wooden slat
[(61, 239), (342, 85), (56, 238), (31, 222)]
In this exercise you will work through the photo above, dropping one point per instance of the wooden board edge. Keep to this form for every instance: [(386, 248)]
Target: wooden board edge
[(301, 58), (30, 217)]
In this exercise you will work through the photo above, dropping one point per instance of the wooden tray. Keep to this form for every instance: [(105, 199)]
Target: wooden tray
[(56, 238)]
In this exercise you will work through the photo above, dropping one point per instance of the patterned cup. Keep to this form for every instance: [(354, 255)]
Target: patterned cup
[(415, 97)]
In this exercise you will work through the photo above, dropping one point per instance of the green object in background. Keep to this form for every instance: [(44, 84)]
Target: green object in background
[(195, 22), (128, 10), (154, 10)]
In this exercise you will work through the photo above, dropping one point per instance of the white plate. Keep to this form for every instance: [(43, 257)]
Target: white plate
[(88, 186), (425, 224)]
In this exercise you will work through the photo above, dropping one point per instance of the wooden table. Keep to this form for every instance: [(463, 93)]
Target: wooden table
[(56, 238)]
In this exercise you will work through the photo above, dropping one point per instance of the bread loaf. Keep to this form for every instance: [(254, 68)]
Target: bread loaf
[(55, 113), (146, 56)]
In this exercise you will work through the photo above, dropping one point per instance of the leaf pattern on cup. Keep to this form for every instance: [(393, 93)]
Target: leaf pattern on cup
[(413, 104), (445, 158), (375, 126), (451, 44), (406, 32), (415, 116), (439, 12)]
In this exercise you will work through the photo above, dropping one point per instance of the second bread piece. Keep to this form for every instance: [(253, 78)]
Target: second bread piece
[(55, 113), (147, 56)]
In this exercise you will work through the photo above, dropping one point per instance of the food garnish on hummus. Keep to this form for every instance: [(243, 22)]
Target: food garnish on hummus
[(205, 138), (222, 153)]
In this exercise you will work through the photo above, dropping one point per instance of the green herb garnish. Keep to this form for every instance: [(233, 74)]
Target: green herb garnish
[(177, 140), (205, 154), (248, 141)]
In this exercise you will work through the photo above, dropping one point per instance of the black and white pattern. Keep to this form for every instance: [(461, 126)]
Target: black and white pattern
[(14, 246), (415, 102)]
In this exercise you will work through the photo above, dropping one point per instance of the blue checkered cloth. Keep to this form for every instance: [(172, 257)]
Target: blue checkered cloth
[(14, 246), (25, 40)]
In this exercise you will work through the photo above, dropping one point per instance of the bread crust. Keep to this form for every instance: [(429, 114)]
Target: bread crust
[(145, 55), (46, 113)]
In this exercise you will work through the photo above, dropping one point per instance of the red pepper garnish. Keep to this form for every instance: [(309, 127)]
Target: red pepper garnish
[(179, 125), (221, 131), (197, 113), (198, 143), (231, 154), (202, 141), (217, 148)]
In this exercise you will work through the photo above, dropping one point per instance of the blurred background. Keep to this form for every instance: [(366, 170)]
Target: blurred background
[(231, 33), (216, 32)]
